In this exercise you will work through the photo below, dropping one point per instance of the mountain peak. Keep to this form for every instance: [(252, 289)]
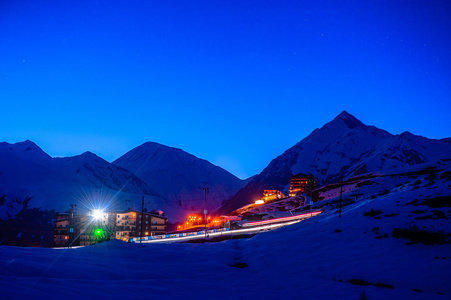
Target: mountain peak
[(88, 153), (406, 134), (151, 144), (89, 156), (26, 149), (349, 120), (344, 115)]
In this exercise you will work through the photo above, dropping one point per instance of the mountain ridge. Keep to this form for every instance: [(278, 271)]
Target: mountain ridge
[(53, 183), (343, 146)]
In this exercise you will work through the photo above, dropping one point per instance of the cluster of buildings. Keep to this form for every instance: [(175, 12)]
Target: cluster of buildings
[(82, 230), (87, 229), (300, 184)]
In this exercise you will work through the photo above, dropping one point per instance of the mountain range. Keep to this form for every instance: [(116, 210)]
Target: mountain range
[(169, 178), (343, 147), (172, 180), (27, 172)]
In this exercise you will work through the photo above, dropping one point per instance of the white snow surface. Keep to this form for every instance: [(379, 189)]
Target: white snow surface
[(313, 259)]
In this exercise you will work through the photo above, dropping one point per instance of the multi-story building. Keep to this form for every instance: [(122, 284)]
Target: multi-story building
[(301, 184), (61, 234), (129, 223)]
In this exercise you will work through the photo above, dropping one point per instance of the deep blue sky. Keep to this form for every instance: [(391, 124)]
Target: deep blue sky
[(233, 82)]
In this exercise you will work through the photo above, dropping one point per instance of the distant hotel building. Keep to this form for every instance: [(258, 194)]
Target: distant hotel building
[(301, 184)]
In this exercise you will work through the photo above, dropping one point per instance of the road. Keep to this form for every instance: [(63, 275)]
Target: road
[(248, 228)]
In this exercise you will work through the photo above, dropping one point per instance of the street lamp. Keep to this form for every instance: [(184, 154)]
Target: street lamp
[(205, 189), (99, 232), (71, 230)]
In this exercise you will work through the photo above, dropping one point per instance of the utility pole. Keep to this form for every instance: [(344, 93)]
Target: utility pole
[(142, 221), (205, 189), (71, 230), (341, 194), (310, 183)]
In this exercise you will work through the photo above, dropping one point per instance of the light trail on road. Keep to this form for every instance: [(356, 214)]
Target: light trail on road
[(256, 227)]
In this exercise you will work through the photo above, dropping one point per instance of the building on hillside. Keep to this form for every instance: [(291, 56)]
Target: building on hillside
[(128, 224), (301, 184), (272, 195)]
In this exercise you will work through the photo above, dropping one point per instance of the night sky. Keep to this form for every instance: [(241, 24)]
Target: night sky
[(233, 82)]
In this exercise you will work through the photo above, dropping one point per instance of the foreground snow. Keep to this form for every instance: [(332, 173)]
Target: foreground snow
[(313, 259)]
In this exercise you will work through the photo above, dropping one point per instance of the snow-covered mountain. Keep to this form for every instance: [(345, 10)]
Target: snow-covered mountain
[(54, 183), (179, 176), (174, 176), (343, 146)]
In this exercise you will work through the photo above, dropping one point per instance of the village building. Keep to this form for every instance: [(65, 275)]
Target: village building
[(61, 235), (129, 223), (272, 195), (301, 184)]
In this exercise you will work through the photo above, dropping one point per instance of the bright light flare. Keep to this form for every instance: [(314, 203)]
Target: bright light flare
[(97, 214), (259, 202)]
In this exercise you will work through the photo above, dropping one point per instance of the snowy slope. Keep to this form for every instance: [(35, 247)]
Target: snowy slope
[(344, 145), (319, 258), (54, 183), (179, 176)]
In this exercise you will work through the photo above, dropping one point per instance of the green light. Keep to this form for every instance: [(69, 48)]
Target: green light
[(98, 231)]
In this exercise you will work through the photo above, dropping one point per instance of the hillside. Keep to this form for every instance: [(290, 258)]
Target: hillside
[(179, 176), (343, 146)]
